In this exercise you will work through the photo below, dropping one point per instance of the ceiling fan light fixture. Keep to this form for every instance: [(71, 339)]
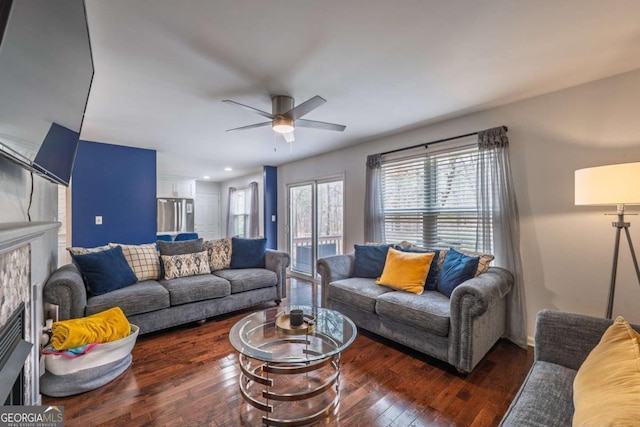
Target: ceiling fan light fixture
[(282, 124)]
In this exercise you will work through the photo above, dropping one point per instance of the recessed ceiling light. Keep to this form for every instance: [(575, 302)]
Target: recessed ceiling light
[(206, 177), (228, 169)]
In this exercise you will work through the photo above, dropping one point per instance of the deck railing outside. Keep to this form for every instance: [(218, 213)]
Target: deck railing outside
[(301, 251)]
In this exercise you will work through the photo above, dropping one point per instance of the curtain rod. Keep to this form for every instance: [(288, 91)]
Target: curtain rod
[(426, 144)]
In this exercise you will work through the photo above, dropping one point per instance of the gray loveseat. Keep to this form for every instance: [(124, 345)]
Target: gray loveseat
[(153, 305), (562, 343), (459, 330)]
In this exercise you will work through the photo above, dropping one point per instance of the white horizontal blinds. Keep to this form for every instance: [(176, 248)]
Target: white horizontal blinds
[(404, 198), (455, 194), (432, 199)]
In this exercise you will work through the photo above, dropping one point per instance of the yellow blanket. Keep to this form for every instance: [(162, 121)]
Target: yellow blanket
[(106, 326)]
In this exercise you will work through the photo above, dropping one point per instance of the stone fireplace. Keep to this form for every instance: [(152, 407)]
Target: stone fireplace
[(27, 256)]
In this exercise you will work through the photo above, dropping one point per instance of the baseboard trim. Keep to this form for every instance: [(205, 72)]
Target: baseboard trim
[(530, 342)]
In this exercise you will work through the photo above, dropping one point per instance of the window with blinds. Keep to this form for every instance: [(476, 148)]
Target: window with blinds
[(432, 199), (241, 213)]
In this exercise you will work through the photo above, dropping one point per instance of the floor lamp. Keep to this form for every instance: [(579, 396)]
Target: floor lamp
[(613, 185)]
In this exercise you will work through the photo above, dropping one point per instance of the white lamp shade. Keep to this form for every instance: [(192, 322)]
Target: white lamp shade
[(608, 185)]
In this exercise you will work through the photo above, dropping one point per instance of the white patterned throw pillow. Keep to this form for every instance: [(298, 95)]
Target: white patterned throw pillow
[(185, 265), (77, 250), (143, 260), (219, 252)]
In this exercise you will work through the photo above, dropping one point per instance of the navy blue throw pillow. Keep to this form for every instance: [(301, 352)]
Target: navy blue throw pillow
[(248, 253), (432, 278), (456, 268), (105, 271), (369, 260)]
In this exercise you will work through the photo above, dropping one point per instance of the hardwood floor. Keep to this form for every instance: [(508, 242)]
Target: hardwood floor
[(188, 376)]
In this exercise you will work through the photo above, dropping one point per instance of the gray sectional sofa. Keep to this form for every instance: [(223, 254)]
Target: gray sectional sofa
[(562, 343), (153, 305), (459, 330)]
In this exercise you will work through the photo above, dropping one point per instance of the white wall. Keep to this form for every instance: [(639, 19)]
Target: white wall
[(15, 188), (207, 187), (567, 250), (240, 182)]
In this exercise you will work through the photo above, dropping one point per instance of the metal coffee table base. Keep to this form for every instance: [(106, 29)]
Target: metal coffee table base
[(268, 374)]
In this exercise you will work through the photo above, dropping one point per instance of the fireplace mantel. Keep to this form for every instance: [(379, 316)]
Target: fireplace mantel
[(13, 234)]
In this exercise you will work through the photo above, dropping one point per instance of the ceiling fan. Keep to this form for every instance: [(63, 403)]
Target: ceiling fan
[(285, 116)]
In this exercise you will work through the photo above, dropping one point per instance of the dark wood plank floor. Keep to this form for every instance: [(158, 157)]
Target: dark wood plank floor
[(188, 376)]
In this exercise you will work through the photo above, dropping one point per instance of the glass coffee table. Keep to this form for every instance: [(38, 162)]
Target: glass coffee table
[(292, 373)]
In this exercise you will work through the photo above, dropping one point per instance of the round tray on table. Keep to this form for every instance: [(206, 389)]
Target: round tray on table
[(283, 323)]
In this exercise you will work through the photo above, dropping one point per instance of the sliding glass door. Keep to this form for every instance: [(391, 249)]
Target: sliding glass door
[(315, 223), (301, 228)]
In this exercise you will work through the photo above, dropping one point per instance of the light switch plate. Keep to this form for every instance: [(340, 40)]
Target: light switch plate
[(98, 220)]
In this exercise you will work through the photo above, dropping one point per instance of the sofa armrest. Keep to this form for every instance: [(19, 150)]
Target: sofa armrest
[(65, 288), (481, 292), (477, 316), (566, 338), (330, 269), (278, 261)]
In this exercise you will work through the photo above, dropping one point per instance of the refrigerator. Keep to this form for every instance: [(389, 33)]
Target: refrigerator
[(175, 215)]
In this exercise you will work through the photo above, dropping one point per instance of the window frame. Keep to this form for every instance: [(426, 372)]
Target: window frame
[(427, 222), (243, 216)]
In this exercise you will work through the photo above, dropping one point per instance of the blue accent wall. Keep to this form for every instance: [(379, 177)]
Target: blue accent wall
[(271, 206), (119, 184)]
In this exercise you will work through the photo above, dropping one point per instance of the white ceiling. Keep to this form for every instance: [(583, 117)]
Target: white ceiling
[(162, 68)]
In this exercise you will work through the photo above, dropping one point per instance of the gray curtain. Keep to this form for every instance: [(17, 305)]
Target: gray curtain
[(231, 210), (498, 210), (254, 222), (373, 206)]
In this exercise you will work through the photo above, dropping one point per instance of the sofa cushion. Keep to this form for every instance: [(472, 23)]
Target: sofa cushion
[(141, 297), (456, 269), (77, 250), (369, 260), (179, 248), (406, 271), (184, 290), (357, 292), (247, 279), (432, 278), (105, 271), (483, 263), (606, 390), (429, 311), (248, 253), (219, 252), (143, 260), (185, 265), (545, 398)]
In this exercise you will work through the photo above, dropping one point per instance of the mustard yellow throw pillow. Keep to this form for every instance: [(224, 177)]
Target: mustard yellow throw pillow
[(606, 390), (406, 271)]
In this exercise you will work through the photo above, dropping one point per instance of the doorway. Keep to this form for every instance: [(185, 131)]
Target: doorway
[(315, 223), (207, 215)]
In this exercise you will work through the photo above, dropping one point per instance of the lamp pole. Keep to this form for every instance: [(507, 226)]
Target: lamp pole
[(619, 225)]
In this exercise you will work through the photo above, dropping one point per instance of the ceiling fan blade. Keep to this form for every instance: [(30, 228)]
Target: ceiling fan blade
[(246, 107), (289, 136), (307, 106), (319, 125), (257, 125)]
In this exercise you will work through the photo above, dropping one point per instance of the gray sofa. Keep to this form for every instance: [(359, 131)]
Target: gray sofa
[(154, 305), (459, 330), (562, 343)]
